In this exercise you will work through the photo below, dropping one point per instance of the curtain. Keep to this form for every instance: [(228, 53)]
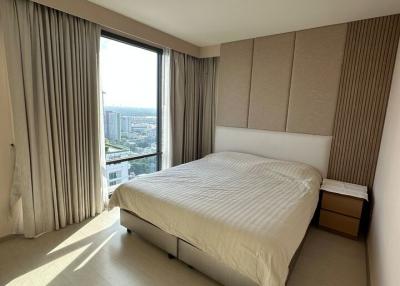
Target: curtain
[(52, 63), (166, 140), (192, 106)]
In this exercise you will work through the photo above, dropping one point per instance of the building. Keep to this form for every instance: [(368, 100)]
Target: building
[(112, 126), (126, 126), (117, 173)]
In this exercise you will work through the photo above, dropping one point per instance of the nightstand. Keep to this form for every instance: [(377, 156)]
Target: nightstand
[(341, 207)]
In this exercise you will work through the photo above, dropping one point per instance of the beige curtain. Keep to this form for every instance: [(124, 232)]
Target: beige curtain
[(52, 62), (192, 106)]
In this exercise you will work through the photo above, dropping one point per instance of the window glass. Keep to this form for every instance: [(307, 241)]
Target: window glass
[(130, 86)]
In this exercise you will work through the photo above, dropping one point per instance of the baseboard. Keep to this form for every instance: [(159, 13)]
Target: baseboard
[(9, 236), (367, 264)]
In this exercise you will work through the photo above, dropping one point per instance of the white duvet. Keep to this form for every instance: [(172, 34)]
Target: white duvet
[(248, 212)]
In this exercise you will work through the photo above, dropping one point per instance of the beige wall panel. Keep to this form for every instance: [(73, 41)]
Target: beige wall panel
[(270, 82), (234, 83), (316, 72)]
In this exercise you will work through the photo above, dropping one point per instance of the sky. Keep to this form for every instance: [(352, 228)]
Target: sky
[(128, 75)]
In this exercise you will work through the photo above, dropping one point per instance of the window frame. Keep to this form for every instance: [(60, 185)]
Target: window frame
[(158, 153)]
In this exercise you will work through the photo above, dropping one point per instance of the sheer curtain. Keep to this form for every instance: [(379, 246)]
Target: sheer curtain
[(52, 63), (166, 142), (192, 106)]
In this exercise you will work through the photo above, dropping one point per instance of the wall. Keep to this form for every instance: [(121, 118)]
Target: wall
[(6, 223), (384, 235), (210, 51)]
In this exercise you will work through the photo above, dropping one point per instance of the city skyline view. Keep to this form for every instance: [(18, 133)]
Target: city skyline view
[(130, 132), (129, 87)]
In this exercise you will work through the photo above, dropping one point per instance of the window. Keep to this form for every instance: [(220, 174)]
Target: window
[(131, 87), (114, 175)]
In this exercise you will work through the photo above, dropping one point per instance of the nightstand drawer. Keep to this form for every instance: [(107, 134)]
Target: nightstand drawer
[(342, 204), (338, 222)]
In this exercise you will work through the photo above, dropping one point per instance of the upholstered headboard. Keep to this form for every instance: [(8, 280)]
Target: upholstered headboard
[(310, 149)]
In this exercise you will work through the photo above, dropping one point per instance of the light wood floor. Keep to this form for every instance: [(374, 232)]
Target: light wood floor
[(100, 252)]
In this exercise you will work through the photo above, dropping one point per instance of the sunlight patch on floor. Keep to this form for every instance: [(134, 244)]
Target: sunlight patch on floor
[(44, 274), (91, 255), (96, 225)]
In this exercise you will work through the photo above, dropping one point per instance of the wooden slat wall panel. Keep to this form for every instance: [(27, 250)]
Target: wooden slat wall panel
[(365, 82)]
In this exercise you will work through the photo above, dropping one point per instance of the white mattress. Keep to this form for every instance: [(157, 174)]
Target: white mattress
[(249, 212)]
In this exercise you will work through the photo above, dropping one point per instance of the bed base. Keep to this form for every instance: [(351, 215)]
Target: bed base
[(187, 253), (149, 232)]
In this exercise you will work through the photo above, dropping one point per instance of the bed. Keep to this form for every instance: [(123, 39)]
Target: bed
[(248, 213)]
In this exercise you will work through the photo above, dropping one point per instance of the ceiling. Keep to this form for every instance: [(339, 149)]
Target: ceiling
[(210, 22)]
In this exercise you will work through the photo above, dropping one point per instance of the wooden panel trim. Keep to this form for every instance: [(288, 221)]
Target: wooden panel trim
[(364, 88)]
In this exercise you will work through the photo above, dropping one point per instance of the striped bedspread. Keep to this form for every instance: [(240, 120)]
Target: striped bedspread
[(249, 212)]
